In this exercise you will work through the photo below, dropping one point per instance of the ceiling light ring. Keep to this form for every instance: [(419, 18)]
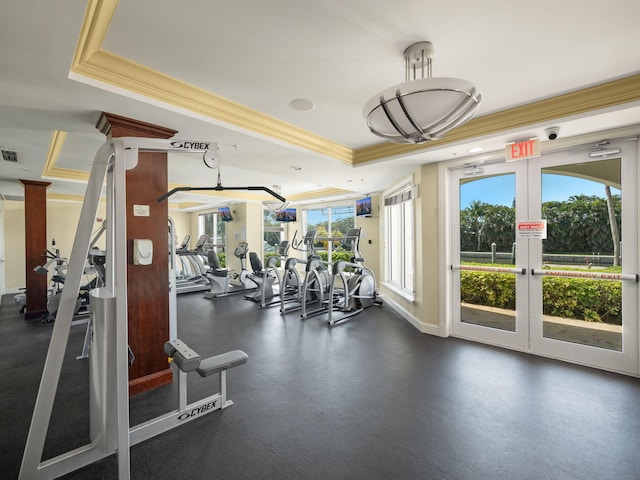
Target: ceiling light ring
[(409, 117), (392, 120)]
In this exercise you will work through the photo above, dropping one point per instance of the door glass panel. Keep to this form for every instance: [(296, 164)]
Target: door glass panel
[(582, 205), (487, 241)]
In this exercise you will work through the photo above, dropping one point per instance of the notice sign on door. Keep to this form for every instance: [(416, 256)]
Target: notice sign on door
[(532, 229)]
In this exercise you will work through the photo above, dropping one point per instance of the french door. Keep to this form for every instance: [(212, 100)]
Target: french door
[(545, 256)]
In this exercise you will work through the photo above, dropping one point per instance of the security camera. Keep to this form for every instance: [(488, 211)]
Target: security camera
[(552, 132)]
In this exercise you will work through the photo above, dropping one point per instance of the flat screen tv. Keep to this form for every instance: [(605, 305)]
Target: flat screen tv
[(363, 207), (287, 215), (225, 214)]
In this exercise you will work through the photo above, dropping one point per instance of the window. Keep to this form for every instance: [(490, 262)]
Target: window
[(399, 233), (210, 224), (330, 222), (272, 232)]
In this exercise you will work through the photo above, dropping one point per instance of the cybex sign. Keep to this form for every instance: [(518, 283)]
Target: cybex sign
[(519, 150), (191, 145)]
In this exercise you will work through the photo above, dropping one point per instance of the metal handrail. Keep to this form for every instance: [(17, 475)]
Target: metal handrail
[(478, 268), (589, 275)]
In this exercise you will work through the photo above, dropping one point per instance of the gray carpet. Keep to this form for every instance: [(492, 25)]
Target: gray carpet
[(369, 399)]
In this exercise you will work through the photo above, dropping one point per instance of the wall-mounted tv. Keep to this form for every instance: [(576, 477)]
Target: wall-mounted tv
[(363, 207), (225, 214), (287, 215)]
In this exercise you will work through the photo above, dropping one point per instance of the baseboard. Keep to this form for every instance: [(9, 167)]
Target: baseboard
[(413, 320), (149, 382)]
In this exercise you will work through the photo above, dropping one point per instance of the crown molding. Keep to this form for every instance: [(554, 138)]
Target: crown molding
[(316, 194), (91, 61), (605, 95)]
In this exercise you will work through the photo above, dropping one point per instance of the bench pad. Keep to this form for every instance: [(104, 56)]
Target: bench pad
[(224, 361)]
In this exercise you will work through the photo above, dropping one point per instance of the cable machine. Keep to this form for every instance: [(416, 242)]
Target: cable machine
[(109, 400)]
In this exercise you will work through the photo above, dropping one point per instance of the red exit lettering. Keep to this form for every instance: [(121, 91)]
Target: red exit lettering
[(525, 149), (522, 149)]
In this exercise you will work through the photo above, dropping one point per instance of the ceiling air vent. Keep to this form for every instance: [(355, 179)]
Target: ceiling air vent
[(11, 156)]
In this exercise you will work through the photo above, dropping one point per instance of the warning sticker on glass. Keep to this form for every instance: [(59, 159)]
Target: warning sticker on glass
[(532, 229)]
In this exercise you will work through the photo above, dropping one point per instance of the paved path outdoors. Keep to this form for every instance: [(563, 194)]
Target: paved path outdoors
[(596, 334)]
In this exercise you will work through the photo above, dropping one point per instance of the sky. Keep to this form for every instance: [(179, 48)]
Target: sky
[(500, 190)]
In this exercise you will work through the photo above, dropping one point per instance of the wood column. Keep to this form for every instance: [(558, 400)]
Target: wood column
[(147, 285), (35, 231)]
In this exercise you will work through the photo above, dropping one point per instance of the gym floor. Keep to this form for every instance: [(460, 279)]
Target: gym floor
[(369, 399)]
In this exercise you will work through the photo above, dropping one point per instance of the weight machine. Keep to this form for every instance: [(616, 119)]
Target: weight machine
[(109, 398)]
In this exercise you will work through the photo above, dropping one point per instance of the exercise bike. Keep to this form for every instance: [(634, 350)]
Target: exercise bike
[(221, 279), (269, 277)]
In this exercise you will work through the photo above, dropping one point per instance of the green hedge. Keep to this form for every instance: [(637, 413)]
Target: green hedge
[(271, 254), (489, 289), (577, 298), (337, 256), (346, 256)]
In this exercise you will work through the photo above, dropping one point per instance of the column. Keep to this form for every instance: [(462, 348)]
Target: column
[(35, 223), (147, 285)]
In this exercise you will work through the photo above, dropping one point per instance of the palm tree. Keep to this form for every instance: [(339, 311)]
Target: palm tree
[(477, 215), (613, 224)]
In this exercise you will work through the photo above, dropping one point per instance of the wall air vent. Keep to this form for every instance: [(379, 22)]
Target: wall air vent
[(11, 156)]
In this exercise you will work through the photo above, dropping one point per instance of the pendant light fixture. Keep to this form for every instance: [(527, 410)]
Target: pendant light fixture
[(422, 108)]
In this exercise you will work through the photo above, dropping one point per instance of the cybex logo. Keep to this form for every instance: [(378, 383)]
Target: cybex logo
[(198, 411), (191, 145)]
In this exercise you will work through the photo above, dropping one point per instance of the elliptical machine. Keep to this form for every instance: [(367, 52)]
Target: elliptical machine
[(315, 286), (358, 289), (291, 298)]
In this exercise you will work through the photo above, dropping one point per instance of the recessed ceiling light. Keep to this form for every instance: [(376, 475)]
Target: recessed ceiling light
[(301, 104), (476, 149)]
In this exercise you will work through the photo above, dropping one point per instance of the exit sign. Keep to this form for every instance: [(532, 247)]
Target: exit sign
[(519, 150)]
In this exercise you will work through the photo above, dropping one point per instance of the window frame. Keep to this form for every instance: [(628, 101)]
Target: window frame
[(270, 229), (212, 242), (330, 208), (399, 201)]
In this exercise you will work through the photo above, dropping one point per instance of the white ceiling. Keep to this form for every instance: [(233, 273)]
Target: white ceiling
[(336, 53)]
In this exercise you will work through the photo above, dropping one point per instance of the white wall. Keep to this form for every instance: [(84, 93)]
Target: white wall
[(370, 244), (2, 254), (14, 243), (424, 310), (182, 224)]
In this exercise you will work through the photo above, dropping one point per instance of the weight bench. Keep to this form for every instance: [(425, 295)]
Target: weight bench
[(187, 360)]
